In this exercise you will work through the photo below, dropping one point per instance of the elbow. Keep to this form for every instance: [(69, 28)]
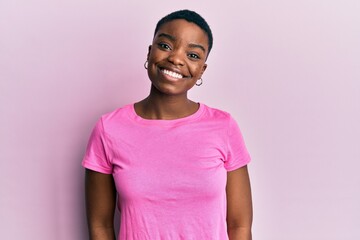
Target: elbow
[(239, 232)]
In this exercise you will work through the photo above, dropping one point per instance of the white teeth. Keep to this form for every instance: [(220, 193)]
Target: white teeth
[(172, 74)]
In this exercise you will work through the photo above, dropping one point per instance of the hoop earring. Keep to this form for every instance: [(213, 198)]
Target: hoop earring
[(146, 64), (199, 83)]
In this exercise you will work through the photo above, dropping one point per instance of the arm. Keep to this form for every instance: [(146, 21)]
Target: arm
[(239, 204), (100, 197)]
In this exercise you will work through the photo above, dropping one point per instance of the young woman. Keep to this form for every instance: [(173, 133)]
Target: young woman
[(178, 167)]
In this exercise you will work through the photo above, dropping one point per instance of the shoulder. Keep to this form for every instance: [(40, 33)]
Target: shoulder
[(113, 119), (217, 114), (116, 114), (221, 118)]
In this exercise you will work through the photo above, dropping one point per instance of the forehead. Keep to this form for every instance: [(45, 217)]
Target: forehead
[(184, 30)]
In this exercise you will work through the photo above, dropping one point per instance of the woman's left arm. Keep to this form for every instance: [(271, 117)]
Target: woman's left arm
[(239, 204)]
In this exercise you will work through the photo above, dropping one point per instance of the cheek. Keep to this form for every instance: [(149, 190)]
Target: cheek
[(156, 53), (151, 59), (197, 71)]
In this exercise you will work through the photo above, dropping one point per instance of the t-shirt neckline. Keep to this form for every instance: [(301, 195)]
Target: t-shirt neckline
[(137, 118)]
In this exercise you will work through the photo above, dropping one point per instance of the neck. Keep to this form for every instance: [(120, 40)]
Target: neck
[(162, 106)]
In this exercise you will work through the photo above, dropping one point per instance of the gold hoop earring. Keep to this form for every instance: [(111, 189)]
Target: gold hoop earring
[(146, 64), (199, 83)]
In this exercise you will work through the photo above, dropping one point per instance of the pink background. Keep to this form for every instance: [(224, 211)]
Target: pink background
[(289, 72)]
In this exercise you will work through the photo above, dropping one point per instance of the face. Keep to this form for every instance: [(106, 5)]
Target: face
[(177, 57)]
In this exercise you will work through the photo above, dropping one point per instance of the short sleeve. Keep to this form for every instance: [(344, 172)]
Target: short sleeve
[(237, 154), (96, 157)]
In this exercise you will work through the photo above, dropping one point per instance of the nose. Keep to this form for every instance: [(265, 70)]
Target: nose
[(176, 57)]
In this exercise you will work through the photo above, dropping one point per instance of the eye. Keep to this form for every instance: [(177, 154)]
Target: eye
[(164, 46), (194, 56)]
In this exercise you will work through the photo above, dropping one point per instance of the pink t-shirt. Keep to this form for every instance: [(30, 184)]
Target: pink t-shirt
[(170, 175)]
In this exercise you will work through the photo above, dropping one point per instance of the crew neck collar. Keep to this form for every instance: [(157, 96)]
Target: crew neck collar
[(133, 115)]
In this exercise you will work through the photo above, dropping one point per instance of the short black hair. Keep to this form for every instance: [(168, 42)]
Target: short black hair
[(189, 16)]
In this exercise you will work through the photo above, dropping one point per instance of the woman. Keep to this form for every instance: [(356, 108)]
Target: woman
[(178, 167)]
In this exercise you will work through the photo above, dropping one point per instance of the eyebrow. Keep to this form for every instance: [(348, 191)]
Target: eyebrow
[(193, 45), (167, 36), (172, 38)]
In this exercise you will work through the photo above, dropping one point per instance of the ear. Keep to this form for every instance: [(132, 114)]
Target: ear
[(203, 69), (148, 54)]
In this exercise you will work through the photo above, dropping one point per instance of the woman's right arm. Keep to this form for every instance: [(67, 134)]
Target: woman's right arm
[(100, 194)]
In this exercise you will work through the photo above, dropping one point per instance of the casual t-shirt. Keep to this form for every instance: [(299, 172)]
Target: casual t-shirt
[(170, 175)]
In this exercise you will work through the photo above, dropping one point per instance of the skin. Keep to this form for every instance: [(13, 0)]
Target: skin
[(181, 47), (239, 204), (100, 195)]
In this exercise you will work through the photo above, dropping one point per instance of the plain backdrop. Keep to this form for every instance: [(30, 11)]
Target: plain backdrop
[(288, 71)]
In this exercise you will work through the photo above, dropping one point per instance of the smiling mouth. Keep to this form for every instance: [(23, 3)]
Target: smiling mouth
[(171, 73)]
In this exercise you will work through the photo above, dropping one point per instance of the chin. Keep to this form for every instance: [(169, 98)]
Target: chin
[(169, 90)]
